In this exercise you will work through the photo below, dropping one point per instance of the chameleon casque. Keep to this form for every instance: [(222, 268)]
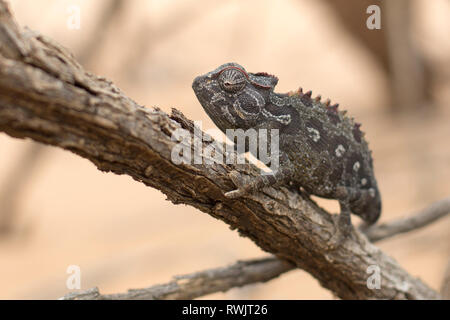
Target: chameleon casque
[(321, 150)]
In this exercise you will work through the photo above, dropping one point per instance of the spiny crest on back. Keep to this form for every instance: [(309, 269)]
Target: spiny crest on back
[(333, 111), (317, 100)]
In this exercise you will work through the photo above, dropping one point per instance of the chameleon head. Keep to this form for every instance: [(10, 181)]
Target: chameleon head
[(232, 97)]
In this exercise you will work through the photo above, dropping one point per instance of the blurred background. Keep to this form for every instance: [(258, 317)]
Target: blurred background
[(57, 209)]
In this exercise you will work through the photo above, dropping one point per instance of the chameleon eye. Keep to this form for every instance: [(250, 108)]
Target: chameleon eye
[(232, 80)]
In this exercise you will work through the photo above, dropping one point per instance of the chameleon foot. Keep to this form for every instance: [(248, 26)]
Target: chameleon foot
[(342, 232), (343, 227), (246, 186), (242, 189)]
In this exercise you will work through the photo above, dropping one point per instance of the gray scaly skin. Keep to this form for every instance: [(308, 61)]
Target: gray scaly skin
[(321, 151)]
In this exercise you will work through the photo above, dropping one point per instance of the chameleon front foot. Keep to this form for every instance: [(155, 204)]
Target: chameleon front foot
[(243, 188), (247, 185)]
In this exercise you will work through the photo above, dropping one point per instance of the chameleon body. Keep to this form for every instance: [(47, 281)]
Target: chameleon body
[(321, 150)]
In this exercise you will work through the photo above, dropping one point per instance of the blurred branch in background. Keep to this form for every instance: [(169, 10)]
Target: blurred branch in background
[(108, 16), (408, 75), (27, 163), (253, 271), (149, 36), (14, 184), (445, 287)]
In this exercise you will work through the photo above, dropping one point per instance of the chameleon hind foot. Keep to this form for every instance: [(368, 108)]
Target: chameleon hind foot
[(343, 228), (343, 225)]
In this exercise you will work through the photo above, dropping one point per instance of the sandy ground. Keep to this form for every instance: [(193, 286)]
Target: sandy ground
[(124, 235)]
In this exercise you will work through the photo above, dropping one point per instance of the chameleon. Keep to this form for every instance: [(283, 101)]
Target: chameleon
[(322, 151)]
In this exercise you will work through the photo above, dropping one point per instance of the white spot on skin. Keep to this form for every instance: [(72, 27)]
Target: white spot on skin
[(217, 97), (356, 166), (283, 118), (372, 192), (340, 150), (363, 181), (314, 133), (279, 102)]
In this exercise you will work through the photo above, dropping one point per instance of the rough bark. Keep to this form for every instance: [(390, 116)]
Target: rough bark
[(28, 162), (242, 273), (47, 96)]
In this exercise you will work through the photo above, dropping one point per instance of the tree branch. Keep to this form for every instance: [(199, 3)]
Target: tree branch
[(198, 284), (435, 211), (47, 96), (29, 160), (266, 268)]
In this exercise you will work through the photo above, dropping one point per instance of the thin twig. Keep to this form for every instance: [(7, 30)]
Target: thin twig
[(262, 270), (198, 284), (424, 217)]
